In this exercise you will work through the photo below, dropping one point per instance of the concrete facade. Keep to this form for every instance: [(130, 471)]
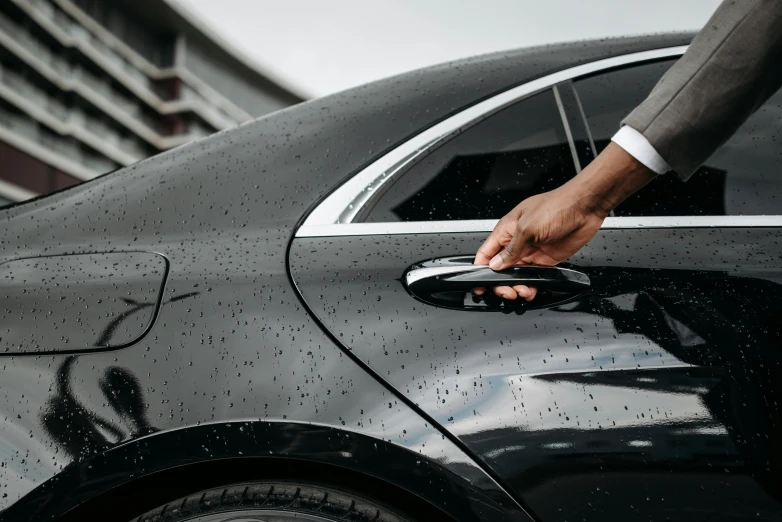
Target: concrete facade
[(87, 86)]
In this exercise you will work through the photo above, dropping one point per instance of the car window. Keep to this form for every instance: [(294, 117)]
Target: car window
[(741, 178), (608, 97), (484, 171)]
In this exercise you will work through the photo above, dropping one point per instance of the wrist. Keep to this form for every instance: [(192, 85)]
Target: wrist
[(610, 179)]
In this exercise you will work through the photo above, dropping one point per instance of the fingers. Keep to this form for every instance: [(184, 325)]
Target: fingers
[(499, 237), (526, 292), (489, 248), (517, 248), (512, 292), (506, 292)]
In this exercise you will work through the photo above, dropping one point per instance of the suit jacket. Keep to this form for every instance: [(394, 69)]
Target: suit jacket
[(731, 68)]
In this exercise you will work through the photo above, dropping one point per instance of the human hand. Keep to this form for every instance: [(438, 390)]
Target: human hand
[(547, 228), (542, 230)]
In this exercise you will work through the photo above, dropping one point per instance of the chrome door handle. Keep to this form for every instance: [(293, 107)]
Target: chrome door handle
[(444, 281)]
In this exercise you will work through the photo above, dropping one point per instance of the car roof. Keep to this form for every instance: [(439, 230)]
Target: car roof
[(491, 73), (299, 154)]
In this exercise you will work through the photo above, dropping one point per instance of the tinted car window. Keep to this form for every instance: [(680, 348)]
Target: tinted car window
[(607, 98), (485, 171), (742, 177)]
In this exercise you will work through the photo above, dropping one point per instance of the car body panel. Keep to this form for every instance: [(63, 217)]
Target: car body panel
[(252, 444), (230, 343), (232, 340), (653, 395), (82, 302)]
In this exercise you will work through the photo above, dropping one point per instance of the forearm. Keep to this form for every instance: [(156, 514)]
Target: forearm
[(610, 179), (729, 70)]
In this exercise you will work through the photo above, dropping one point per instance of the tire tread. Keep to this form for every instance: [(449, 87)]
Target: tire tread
[(284, 496)]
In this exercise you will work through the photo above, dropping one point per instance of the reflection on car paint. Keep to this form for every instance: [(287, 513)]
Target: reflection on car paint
[(222, 211), (68, 303), (662, 381)]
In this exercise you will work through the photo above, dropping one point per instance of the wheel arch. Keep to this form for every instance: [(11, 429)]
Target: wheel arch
[(160, 467)]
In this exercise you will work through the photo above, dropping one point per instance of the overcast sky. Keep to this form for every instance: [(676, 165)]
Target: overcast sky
[(322, 46)]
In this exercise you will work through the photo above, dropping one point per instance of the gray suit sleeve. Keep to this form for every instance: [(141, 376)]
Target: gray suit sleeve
[(731, 68)]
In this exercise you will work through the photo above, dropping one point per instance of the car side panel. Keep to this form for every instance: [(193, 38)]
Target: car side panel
[(253, 450), (231, 340), (654, 395)]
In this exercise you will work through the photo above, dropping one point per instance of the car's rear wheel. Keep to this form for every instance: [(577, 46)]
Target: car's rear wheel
[(273, 502)]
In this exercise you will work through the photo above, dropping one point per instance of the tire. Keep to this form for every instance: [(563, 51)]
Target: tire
[(272, 502)]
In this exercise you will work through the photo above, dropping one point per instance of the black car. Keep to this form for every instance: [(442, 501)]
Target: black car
[(276, 322)]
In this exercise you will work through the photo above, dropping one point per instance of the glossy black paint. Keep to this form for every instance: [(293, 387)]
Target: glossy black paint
[(654, 396), (252, 449), (232, 341), (79, 302)]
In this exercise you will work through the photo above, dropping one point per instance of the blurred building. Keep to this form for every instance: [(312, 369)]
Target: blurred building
[(87, 86)]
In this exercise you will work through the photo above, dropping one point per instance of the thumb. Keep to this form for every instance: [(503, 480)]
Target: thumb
[(513, 251)]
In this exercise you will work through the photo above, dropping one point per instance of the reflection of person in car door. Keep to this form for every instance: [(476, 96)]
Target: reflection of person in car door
[(82, 432), (729, 70), (78, 429)]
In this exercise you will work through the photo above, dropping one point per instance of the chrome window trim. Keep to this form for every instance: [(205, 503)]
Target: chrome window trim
[(333, 216), (487, 225), (342, 205)]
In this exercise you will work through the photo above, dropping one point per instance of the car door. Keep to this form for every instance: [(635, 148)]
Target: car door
[(643, 383)]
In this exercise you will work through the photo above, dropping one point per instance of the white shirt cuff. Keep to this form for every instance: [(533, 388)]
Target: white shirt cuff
[(634, 143)]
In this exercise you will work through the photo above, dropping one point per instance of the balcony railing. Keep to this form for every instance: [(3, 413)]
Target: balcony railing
[(77, 160), (69, 76), (128, 150), (119, 64)]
